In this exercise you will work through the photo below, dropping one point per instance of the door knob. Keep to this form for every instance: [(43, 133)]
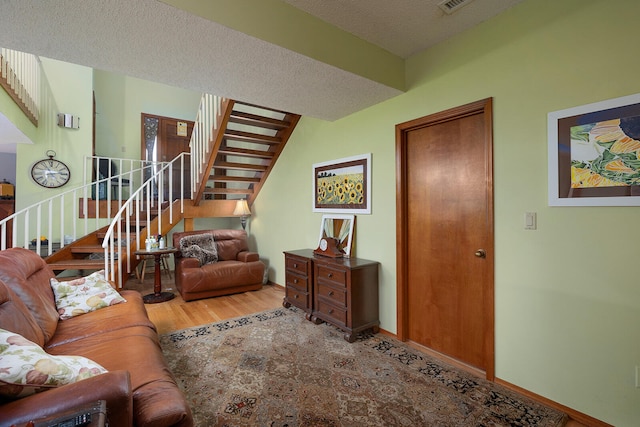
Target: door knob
[(481, 253)]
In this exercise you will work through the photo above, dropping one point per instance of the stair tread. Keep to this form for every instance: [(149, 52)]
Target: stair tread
[(257, 120), (251, 137), (80, 263), (239, 166), (87, 249), (211, 190), (227, 178), (243, 152)]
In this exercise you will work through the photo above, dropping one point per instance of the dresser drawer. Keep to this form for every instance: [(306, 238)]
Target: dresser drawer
[(297, 265), (296, 281), (339, 277), (298, 298), (338, 296), (338, 315)]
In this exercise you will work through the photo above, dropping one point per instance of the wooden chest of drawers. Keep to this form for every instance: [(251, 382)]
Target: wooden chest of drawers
[(299, 282), (341, 291)]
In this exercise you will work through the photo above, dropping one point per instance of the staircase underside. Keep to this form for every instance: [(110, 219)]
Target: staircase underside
[(244, 151)]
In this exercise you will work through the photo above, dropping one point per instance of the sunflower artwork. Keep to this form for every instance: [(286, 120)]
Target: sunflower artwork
[(606, 153), (343, 185)]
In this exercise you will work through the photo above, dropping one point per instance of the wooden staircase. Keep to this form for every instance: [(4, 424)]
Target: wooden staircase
[(238, 157), (86, 253), (244, 150)]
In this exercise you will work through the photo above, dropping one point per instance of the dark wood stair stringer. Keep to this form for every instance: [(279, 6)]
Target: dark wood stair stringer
[(252, 162)]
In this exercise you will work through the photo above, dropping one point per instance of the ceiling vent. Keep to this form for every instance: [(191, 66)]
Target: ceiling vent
[(450, 6)]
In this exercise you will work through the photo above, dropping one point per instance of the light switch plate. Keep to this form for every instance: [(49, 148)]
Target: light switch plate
[(530, 221)]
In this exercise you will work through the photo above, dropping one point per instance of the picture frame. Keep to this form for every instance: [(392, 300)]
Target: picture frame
[(339, 227), (592, 154), (343, 185)]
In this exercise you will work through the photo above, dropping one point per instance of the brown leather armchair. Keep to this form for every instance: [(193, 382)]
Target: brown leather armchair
[(237, 269)]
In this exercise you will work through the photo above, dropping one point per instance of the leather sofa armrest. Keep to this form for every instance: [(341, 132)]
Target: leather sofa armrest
[(246, 256), (114, 387)]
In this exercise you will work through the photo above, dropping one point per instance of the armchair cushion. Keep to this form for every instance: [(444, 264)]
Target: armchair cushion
[(199, 246), (25, 368)]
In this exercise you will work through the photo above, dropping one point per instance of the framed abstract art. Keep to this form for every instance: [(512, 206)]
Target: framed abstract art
[(594, 154)]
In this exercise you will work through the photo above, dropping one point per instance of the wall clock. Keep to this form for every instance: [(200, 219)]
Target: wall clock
[(50, 173)]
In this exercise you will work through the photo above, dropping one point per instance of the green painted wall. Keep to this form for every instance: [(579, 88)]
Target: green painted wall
[(567, 295), (120, 100), (67, 90)]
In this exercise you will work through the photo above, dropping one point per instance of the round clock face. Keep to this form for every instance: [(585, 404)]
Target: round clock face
[(50, 173), (323, 244)]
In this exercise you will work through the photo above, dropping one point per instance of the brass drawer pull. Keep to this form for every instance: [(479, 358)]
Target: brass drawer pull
[(330, 293), (330, 275), (296, 296), (295, 265), (295, 280), (331, 311)]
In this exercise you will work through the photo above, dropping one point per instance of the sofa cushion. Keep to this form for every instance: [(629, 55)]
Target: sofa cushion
[(155, 394), (199, 246), (27, 274), (119, 317), (84, 295), (25, 368), (15, 316)]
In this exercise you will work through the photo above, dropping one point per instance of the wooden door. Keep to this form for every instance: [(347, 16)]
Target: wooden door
[(445, 234), (162, 142)]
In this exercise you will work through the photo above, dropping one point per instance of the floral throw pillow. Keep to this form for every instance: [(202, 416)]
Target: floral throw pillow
[(25, 368), (84, 295)]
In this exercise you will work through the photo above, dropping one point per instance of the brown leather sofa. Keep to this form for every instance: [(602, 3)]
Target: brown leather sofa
[(237, 269), (138, 388)]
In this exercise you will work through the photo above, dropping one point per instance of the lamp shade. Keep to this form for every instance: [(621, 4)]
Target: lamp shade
[(242, 208)]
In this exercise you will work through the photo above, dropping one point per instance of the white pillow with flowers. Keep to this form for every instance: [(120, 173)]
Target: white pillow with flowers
[(84, 295), (25, 368)]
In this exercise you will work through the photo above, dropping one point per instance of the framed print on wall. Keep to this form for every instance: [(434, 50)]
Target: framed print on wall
[(594, 154), (343, 185)]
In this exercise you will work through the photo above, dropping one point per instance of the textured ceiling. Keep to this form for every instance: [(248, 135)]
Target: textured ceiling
[(152, 40), (403, 27)]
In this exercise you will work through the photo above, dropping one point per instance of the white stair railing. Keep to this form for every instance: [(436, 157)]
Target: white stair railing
[(146, 181), (20, 76), (118, 238), (63, 217), (207, 121)]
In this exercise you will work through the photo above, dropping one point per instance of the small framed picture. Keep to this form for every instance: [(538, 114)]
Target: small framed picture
[(343, 185)]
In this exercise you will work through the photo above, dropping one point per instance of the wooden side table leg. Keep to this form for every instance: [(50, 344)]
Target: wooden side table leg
[(157, 295)]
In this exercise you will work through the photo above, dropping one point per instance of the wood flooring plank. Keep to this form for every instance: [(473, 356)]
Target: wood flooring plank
[(176, 314)]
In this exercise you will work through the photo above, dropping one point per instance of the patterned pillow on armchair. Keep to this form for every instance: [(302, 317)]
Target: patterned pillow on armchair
[(201, 247)]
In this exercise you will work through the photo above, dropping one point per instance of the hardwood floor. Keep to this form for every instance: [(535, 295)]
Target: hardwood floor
[(177, 314)]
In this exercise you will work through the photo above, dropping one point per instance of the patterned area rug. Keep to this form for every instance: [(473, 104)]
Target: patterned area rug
[(277, 369)]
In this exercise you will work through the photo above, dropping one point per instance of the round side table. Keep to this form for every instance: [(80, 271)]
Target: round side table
[(157, 295)]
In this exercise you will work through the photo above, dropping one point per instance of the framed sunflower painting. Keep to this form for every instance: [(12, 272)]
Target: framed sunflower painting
[(594, 154), (343, 185)]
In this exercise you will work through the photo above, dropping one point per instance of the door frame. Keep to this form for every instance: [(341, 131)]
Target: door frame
[(485, 107)]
